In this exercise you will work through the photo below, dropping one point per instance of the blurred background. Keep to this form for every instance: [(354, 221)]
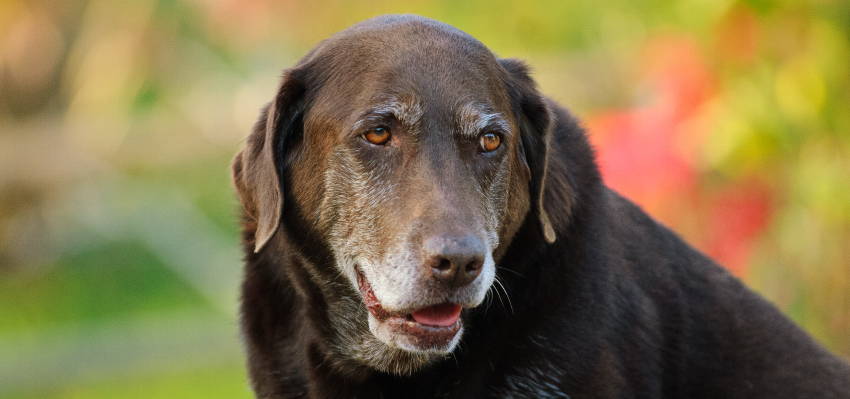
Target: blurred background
[(119, 268)]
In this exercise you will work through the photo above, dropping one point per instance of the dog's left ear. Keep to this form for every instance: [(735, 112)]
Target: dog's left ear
[(536, 121), (257, 168)]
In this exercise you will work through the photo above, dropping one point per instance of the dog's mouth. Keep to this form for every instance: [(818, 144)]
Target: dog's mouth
[(430, 327)]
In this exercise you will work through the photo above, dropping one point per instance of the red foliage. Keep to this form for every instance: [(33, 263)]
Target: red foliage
[(648, 154), (736, 217)]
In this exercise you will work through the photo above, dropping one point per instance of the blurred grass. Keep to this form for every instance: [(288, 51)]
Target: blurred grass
[(86, 287), (217, 381), (119, 264)]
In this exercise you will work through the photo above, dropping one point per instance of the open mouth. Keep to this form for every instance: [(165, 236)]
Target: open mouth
[(429, 327)]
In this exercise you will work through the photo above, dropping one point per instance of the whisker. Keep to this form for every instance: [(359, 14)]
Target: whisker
[(506, 294), (496, 290), (488, 299)]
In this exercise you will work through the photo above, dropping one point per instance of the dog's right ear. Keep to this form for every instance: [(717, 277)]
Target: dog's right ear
[(536, 121), (257, 168)]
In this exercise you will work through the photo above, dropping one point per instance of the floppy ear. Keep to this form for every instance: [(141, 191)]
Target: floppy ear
[(257, 168), (535, 121)]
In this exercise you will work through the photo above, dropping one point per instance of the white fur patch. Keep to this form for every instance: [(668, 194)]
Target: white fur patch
[(408, 111), (474, 119)]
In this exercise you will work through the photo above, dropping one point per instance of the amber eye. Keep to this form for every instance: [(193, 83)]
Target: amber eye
[(378, 136), (490, 142)]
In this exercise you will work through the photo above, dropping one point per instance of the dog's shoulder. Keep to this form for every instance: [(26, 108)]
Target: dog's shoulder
[(714, 332)]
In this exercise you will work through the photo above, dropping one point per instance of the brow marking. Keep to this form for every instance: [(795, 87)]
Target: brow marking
[(473, 118), (408, 111)]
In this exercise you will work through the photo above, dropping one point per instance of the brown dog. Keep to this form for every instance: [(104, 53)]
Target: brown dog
[(398, 164)]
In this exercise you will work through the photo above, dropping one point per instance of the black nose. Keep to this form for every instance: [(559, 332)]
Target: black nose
[(455, 260)]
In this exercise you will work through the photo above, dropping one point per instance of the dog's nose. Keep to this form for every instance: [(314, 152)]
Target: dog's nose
[(454, 260)]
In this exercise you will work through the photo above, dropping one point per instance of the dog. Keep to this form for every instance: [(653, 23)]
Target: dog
[(420, 222)]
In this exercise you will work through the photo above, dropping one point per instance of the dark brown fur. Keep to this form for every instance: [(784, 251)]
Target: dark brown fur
[(601, 300)]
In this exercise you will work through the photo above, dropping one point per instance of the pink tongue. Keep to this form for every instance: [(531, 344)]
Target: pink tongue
[(442, 315)]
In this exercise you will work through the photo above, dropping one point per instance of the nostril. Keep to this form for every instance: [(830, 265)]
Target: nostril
[(473, 266), (443, 265)]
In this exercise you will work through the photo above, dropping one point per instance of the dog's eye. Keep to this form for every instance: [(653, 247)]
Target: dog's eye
[(378, 135), (490, 142)]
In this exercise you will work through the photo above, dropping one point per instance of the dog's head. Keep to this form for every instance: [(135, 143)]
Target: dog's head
[(413, 155)]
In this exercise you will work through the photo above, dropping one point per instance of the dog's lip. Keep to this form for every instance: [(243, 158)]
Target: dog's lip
[(432, 319), (369, 298)]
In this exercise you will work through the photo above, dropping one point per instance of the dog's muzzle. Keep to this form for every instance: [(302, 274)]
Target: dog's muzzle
[(447, 283)]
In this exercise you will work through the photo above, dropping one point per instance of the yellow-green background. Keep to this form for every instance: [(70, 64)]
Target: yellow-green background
[(118, 245)]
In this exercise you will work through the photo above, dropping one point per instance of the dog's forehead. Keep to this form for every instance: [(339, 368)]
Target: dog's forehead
[(409, 68), (468, 108)]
